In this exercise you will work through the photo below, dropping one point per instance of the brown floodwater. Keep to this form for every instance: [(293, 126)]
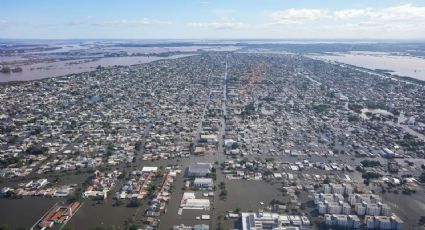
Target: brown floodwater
[(60, 68), (23, 213)]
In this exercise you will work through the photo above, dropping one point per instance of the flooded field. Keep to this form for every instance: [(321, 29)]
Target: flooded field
[(58, 59), (401, 65), (60, 68)]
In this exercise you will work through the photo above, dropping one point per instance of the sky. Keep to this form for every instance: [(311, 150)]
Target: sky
[(213, 19)]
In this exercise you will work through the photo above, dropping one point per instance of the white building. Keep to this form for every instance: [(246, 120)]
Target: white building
[(385, 209), (347, 221), (212, 139), (360, 209), (266, 220), (203, 182), (383, 222), (337, 188), (189, 201), (373, 210), (199, 169)]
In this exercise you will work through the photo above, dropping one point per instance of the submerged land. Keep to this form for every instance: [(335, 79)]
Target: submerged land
[(222, 136)]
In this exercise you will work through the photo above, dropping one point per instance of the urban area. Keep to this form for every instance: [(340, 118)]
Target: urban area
[(214, 140)]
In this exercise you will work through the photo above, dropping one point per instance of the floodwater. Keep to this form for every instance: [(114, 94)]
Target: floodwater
[(400, 65), (24, 213), (60, 68), (105, 214), (409, 208)]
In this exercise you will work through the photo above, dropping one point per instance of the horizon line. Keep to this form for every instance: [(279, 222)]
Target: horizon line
[(231, 39)]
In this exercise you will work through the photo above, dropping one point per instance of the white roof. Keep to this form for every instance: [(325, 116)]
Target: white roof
[(203, 180), (150, 169)]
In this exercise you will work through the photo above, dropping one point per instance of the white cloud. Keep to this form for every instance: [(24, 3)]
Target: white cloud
[(351, 13), (400, 13), (291, 16), (219, 25), (117, 22), (3, 22), (405, 12), (400, 21)]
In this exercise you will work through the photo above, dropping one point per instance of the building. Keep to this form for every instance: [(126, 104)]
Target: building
[(373, 210), (322, 208), (348, 189), (359, 198), (342, 189), (229, 143), (346, 208), (58, 215), (203, 183), (189, 201), (327, 189), (360, 209), (322, 197), (346, 221), (383, 222), (199, 170), (334, 208), (385, 209), (201, 227), (386, 153), (337, 188), (149, 169), (182, 227), (211, 139), (267, 220), (195, 227)]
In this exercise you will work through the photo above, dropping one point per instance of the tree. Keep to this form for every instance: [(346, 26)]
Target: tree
[(118, 202), (4, 227), (134, 202), (36, 149), (138, 146), (370, 163), (110, 149), (422, 177), (326, 180), (223, 194), (5, 69), (422, 220)]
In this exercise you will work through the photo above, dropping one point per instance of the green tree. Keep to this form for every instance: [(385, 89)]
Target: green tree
[(422, 177)]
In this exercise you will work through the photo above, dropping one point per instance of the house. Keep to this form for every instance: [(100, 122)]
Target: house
[(229, 143), (150, 169), (211, 139), (203, 182), (4, 191)]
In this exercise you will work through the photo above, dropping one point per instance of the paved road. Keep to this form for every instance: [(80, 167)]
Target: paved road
[(220, 150)]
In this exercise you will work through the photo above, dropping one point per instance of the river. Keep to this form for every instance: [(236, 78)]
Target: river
[(60, 68), (408, 66)]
